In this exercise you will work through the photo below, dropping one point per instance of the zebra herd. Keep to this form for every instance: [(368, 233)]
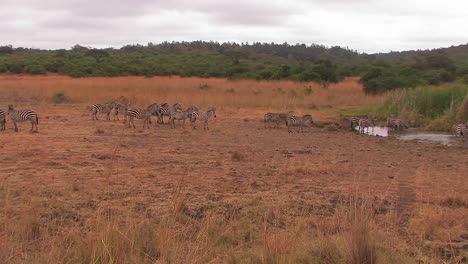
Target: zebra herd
[(18, 116), (460, 130), (173, 112), (287, 118)]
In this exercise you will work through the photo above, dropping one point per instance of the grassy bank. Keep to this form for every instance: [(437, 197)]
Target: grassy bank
[(435, 108)]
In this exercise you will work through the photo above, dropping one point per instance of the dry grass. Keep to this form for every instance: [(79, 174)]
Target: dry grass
[(141, 91), (95, 192)]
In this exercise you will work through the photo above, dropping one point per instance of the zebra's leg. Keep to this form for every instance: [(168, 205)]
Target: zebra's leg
[(16, 127)]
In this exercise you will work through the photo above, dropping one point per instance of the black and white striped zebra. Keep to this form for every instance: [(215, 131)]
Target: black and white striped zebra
[(366, 123), (120, 109), (399, 124), (202, 117), (166, 110), (354, 122), (461, 130), (391, 122), (298, 121), (22, 116), (154, 109), (187, 114), (143, 114), (276, 118), (103, 109), (2, 120)]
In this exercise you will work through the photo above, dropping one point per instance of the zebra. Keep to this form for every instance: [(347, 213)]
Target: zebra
[(461, 130), (144, 114), (399, 124), (298, 121), (2, 120), (275, 117), (354, 122), (21, 116), (118, 108), (182, 116), (104, 109), (366, 123), (154, 109), (202, 116), (391, 122), (166, 110)]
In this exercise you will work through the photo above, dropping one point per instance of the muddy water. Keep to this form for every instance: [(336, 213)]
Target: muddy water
[(418, 135)]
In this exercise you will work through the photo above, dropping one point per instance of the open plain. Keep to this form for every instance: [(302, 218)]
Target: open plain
[(83, 191)]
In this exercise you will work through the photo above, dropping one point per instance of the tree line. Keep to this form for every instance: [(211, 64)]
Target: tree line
[(261, 61)]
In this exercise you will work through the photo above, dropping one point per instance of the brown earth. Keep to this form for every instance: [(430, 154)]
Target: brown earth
[(75, 165)]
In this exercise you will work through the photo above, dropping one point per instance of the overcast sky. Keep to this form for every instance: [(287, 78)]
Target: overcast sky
[(363, 25)]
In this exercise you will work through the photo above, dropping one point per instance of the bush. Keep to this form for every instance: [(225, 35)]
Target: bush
[(59, 97), (308, 90)]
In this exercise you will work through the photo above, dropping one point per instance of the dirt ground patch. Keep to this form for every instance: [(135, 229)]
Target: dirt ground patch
[(67, 170)]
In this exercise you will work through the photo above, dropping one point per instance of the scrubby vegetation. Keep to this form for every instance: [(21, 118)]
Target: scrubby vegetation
[(438, 108), (261, 61)]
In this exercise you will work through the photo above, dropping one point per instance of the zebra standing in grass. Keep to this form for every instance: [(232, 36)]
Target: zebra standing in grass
[(118, 108), (21, 116), (154, 109), (2, 120), (298, 121), (103, 109), (143, 114), (182, 116), (366, 123), (203, 117), (166, 110), (276, 118)]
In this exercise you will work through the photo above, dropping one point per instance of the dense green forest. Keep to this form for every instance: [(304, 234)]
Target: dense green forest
[(262, 61)]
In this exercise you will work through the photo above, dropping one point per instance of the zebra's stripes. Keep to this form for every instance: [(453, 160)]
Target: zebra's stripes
[(391, 122), (166, 110), (144, 114), (297, 121), (21, 116), (182, 116), (103, 109), (154, 109), (120, 109), (2, 120), (203, 117), (354, 122), (399, 125), (276, 118), (366, 123), (461, 130)]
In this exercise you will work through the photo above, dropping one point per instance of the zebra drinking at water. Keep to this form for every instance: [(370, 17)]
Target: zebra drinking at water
[(297, 121), (166, 110), (391, 122), (366, 123), (103, 109), (2, 120), (276, 118), (143, 114), (354, 122), (203, 117), (21, 116), (182, 116)]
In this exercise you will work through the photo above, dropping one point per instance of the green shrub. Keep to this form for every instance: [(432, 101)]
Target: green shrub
[(59, 97), (308, 90)]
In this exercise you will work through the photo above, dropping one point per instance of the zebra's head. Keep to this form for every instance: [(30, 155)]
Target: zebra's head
[(177, 106), (308, 118), (212, 111), (10, 108)]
